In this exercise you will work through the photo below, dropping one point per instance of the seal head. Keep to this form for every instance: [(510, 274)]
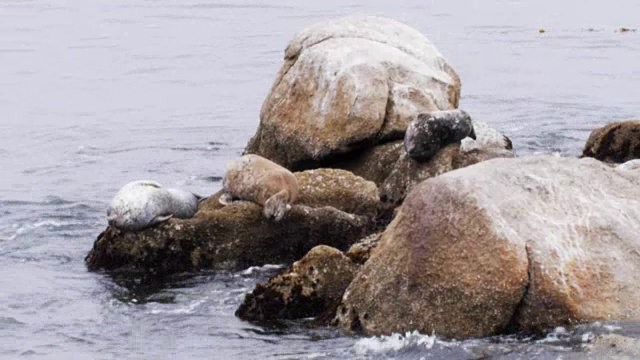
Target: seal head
[(432, 131)]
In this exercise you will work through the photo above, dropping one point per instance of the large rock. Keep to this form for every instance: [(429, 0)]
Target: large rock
[(347, 83), (507, 244), (312, 286), (617, 142), (237, 235)]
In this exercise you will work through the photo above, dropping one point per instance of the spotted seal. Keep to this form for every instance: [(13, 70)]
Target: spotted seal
[(256, 179), (140, 204), (432, 131)]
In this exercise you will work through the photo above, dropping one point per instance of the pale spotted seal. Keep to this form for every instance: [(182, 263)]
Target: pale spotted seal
[(432, 131), (256, 179), (143, 203)]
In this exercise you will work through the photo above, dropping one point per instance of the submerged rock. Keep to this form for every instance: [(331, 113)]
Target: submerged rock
[(348, 83), (237, 235), (340, 189), (612, 346), (617, 142), (311, 287), (505, 245)]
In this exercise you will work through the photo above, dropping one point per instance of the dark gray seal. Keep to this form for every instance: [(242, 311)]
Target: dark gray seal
[(432, 131)]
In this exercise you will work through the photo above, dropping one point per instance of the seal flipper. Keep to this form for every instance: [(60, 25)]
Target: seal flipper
[(201, 199), (159, 218), (277, 206), (225, 199)]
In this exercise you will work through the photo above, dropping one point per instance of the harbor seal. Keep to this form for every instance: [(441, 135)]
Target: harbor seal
[(140, 204), (432, 131), (256, 179)]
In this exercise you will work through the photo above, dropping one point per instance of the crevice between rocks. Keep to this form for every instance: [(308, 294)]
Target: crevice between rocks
[(513, 327)]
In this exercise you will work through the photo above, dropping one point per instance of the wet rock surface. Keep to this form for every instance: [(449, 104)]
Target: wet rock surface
[(617, 142), (311, 287), (504, 245)]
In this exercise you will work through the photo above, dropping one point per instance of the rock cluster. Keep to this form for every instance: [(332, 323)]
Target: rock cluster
[(238, 235), (467, 241)]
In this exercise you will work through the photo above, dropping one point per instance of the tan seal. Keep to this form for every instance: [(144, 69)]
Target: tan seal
[(254, 178)]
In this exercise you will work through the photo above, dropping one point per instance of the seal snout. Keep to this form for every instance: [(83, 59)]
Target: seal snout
[(472, 134)]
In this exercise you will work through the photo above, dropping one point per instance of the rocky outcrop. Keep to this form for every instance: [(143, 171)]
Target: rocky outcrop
[(349, 83), (521, 244), (337, 214), (395, 173), (617, 142), (340, 189), (311, 287), (406, 172)]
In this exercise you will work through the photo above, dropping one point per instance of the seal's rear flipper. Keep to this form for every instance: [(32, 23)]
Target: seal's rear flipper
[(160, 218), (225, 199)]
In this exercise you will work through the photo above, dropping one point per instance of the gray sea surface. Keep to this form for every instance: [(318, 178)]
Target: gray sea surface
[(94, 94)]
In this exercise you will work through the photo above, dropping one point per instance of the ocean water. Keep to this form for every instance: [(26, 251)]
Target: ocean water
[(94, 94)]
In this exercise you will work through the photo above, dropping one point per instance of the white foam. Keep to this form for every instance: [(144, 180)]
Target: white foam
[(393, 343), (16, 230), (259, 269), (171, 310)]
